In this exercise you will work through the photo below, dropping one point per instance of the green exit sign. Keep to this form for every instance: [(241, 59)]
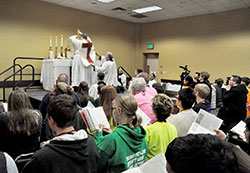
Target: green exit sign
[(150, 46)]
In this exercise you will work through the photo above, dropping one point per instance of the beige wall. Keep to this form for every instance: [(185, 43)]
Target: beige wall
[(25, 27), (218, 43)]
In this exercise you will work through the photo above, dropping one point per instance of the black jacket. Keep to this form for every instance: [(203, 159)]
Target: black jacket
[(65, 156), (234, 104)]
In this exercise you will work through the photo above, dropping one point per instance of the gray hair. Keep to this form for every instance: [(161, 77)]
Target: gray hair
[(139, 84)]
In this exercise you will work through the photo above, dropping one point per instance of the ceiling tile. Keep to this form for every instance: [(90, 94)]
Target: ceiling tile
[(171, 8)]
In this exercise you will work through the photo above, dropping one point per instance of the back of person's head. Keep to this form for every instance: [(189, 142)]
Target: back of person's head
[(63, 109), (138, 71), (189, 79), (21, 118), (108, 94), (144, 75), (205, 75), (236, 79), (63, 77), (139, 84), (83, 93), (219, 82), (128, 105), (83, 88), (84, 36), (162, 106), (201, 153), (203, 90), (187, 98), (63, 88), (245, 80), (99, 88), (158, 87), (243, 159), (100, 75)]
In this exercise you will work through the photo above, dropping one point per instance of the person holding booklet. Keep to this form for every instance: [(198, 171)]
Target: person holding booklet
[(184, 119), (161, 133), (235, 139), (108, 94), (70, 150), (126, 147)]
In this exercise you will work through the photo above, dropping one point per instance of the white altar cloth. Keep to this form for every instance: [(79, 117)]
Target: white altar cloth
[(51, 68)]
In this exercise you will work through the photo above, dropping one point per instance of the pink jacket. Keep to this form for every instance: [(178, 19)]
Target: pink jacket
[(144, 101)]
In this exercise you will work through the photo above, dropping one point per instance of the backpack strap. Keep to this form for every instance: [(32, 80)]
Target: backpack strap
[(3, 168)]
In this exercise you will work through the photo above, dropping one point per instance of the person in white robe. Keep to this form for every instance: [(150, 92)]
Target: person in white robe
[(108, 67), (83, 57), (122, 78)]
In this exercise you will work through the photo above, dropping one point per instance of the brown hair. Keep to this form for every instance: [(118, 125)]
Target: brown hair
[(21, 117), (83, 93), (129, 106), (108, 94), (63, 88)]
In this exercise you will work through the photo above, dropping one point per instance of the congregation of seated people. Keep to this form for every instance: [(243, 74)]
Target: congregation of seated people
[(56, 138)]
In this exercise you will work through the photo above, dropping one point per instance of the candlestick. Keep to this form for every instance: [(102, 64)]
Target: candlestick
[(56, 41), (61, 40), (50, 41)]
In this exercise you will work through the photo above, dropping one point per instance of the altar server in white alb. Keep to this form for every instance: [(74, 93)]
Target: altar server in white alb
[(84, 56), (109, 69)]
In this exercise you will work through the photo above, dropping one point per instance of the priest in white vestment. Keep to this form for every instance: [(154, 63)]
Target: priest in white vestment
[(109, 69), (84, 56)]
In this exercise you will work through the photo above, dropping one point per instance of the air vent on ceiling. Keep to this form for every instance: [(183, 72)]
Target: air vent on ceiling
[(119, 9), (138, 16)]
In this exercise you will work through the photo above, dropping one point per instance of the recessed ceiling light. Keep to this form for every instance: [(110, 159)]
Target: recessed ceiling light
[(147, 9), (106, 1)]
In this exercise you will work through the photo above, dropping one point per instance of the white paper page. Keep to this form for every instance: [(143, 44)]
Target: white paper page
[(90, 105), (5, 107), (205, 123), (239, 129), (155, 165), (133, 170), (145, 118), (98, 117)]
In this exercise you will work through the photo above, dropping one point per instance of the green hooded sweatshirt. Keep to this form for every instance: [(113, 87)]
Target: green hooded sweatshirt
[(121, 150)]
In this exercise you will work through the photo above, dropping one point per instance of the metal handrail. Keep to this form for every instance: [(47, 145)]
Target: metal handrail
[(125, 72), (11, 68), (14, 62), (24, 67)]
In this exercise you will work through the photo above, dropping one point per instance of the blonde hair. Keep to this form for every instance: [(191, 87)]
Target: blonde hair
[(162, 106), (63, 88), (129, 106), (202, 89)]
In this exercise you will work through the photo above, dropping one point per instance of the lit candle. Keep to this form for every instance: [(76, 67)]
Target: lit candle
[(50, 41), (61, 40), (56, 41)]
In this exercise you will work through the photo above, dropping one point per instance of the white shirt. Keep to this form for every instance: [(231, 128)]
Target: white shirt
[(123, 79), (151, 82), (110, 72), (183, 121), (93, 91)]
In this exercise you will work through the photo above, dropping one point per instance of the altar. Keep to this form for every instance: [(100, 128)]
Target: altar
[(51, 68)]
